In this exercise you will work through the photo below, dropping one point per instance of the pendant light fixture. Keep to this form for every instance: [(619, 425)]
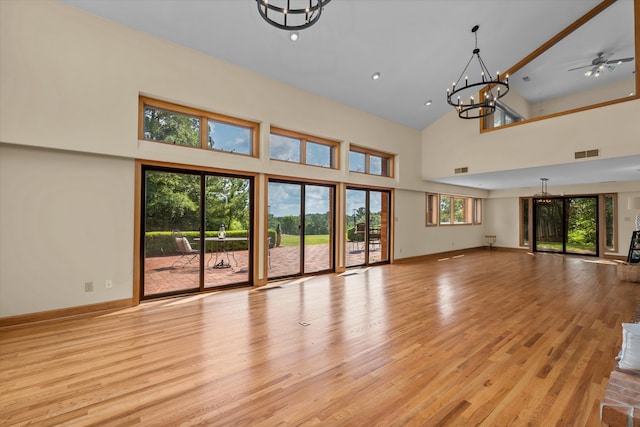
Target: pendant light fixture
[(476, 100), (291, 15), (543, 197)]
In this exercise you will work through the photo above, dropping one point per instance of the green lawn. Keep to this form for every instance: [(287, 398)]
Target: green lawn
[(291, 240)]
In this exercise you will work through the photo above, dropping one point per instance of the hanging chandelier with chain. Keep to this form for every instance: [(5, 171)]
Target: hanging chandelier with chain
[(463, 96), (291, 15)]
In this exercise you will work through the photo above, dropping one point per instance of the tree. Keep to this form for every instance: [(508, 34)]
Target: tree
[(167, 126)]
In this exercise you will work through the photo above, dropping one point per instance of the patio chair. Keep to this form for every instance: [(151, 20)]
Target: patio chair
[(183, 247), (359, 236), (374, 238)]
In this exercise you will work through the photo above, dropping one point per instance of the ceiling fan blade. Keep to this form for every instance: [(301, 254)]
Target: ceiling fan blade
[(578, 68), (615, 61)]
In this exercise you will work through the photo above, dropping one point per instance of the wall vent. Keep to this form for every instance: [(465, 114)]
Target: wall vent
[(461, 170), (587, 153)]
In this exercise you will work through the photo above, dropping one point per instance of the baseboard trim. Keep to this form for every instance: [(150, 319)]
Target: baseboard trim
[(64, 313), (450, 254)]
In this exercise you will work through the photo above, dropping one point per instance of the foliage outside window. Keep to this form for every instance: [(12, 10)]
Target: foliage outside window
[(179, 125), (610, 243), (296, 147), (370, 162), (456, 210)]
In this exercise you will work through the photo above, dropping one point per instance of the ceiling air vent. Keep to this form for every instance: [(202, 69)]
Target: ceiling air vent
[(587, 153), (461, 170)]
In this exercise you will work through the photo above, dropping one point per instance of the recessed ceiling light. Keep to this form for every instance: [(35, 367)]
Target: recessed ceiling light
[(428, 103), (293, 36), (375, 76)]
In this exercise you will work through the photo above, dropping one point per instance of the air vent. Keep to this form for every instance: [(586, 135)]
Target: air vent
[(587, 153), (461, 170)]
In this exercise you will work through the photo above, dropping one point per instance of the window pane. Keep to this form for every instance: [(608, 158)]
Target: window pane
[(432, 209), (357, 161), (477, 211), (458, 210), (230, 138), (524, 209), (609, 214), (445, 210), (169, 126), (285, 148), (375, 165), (319, 154)]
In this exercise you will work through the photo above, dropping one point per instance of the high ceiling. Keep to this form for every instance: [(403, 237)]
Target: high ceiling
[(418, 47)]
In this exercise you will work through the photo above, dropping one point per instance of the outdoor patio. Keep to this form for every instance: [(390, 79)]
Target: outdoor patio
[(169, 274)]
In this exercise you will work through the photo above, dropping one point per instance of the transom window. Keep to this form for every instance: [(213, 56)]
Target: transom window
[(296, 147), (371, 162), (179, 125)]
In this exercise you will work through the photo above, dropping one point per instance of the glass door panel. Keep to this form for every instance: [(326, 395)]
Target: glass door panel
[(171, 218), (566, 225), (318, 228), (378, 236), (285, 206), (356, 210), (368, 226), (549, 225), (227, 225), (582, 225)]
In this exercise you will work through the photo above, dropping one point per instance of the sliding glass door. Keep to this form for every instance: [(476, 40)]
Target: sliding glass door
[(301, 224), (196, 231), (368, 227), (566, 225)]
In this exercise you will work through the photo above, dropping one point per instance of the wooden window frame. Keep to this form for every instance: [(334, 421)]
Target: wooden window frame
[(388, 161), (468, 206), (204, 116), (334, 146), (432, 209)]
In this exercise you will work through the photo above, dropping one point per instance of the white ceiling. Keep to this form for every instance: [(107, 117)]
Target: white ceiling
[(418, 46)]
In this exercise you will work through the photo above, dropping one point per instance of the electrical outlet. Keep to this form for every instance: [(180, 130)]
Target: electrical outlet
[(88, 286), (108, 284)]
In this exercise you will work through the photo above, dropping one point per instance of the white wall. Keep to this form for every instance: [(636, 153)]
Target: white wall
[(65, 219), (451, 143)]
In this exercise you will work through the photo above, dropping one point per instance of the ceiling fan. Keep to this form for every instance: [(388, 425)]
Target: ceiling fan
[(601, 62)]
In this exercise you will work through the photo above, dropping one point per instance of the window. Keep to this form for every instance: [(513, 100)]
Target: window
[(456, 210), (179, 125), (477, 211), (432, 209), (295, 147), (610, 215), (502, 116), (370, 162), (525, 202)]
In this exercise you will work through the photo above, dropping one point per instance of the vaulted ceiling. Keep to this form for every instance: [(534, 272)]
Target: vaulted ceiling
[(418, 47)]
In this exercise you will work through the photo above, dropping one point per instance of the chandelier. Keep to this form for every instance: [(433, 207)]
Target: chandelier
[(461, 95), (543, 196), (291, 15)]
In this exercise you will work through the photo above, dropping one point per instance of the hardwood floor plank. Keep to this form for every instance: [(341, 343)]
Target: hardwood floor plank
[(491, 338)]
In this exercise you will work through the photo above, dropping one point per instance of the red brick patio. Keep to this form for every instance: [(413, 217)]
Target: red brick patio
[(161, 277)]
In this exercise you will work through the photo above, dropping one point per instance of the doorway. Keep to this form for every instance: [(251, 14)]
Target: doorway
[(301, 223), (196, 231), (567, 225), (367, 223)]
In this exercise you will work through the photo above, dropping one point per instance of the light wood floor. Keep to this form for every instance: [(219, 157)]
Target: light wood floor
[(494, 338)]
